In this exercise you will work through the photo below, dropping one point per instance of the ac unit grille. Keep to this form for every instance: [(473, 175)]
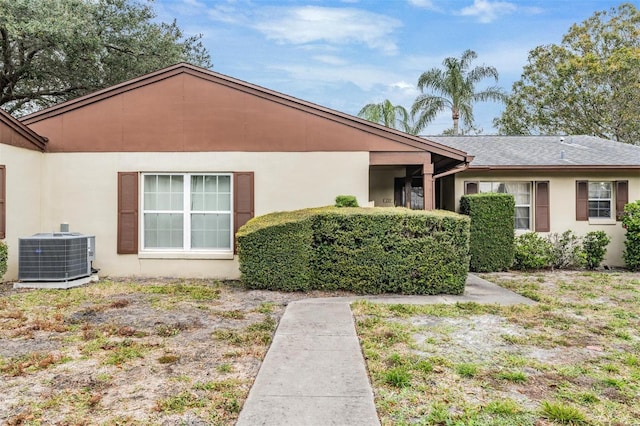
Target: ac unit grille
[(54, 257)]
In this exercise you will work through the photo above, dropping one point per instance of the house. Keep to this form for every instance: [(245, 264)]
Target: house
[(163, 169), (578, 183)]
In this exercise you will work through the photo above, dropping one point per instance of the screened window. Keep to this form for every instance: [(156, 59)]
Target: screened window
[(521, 192), (600, 199), (187, 211)]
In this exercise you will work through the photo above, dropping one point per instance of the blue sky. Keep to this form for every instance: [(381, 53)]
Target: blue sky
[(343, 54)]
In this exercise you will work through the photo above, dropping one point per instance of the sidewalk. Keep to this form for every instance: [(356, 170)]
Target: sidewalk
[(314, 372)]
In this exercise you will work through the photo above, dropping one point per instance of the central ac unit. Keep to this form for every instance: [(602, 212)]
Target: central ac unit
[(60, 256)]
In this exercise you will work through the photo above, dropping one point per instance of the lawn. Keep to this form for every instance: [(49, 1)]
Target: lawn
[(140, 352), (574, 358)]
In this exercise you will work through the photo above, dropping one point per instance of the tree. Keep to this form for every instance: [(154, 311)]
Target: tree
[(56, 50), (387, 114), (589, 84), (454, 89)]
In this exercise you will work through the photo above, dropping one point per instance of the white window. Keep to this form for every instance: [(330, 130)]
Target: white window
[(600, 198), (521, 192), (183, 212)]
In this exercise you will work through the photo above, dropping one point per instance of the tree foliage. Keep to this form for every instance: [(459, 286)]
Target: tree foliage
[(387, 114), (56, 50), (589, 84), (454, 88)]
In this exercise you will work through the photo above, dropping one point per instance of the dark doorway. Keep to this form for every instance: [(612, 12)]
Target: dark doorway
[(417, 193)]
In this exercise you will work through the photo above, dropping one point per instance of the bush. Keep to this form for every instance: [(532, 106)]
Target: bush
[(371, 250), (492, 236), (631, 222), (594, 245), (566, 251), (532, 252), (4, 254), (346, 201)]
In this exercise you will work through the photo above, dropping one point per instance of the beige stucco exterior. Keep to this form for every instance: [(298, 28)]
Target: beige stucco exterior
[(562, 201), (23, 211), (81, 189)]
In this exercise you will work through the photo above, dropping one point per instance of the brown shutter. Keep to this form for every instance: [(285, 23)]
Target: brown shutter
[(582, 200), (3, 202), (127, 212), (542, 214), (242, 199), (471, 187), (622, 197)]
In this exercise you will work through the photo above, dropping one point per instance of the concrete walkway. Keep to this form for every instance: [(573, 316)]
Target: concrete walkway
[(314, 372)]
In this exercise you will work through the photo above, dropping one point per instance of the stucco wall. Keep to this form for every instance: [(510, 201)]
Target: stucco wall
[(382, 180), (81, 189), (23, 189), (562, 193)]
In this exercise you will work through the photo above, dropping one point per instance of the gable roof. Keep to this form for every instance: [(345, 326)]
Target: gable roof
[(402, 141), (13, 132), (544, 152)]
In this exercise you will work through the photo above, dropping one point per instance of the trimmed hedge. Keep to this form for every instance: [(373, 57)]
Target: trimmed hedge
[(492, 235), (364, 250), (4, 254)]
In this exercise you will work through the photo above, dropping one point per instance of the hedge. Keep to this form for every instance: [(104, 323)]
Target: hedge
[(4, 252), (364, 250), (492, 235)]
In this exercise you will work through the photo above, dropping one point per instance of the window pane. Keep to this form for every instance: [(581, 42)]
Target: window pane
[(522, 218), (163, 230), (208, 230), (224, 184)]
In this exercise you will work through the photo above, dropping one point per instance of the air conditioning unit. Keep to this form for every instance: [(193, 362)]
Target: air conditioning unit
[(59, 256)]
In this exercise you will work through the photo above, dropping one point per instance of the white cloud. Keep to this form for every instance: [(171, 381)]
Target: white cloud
[(487, 11), (425, 4), (330, 59), (312, 24)]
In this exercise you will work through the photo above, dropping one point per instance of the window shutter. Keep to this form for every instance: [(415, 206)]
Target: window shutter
[(3, 202), (242, 199), (127, 212), (622, 197), (542, 213), (471, 188), (582, 200)]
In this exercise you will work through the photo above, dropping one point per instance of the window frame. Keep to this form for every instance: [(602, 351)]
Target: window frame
[(186, 212), (610, 200), (529, 206)]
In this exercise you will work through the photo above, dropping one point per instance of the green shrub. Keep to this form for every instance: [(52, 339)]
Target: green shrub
[(4, 254), (594, 245), (492, 236), (365, 250), (532, 252), (346, 201), (631, 222), (566, 250)]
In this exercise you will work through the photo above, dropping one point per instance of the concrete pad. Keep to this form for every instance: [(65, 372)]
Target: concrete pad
[(311, 411), (62, 285)]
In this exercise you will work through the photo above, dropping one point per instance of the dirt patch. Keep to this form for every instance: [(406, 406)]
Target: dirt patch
[(135, 352)]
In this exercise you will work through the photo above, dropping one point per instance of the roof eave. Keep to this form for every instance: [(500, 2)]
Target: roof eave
[(38, 142), (557, 168)]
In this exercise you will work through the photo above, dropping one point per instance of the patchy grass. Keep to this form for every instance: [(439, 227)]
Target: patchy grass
[(571, 359), (145, 352)]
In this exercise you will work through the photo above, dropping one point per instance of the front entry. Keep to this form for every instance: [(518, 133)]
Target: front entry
[(417, 193)]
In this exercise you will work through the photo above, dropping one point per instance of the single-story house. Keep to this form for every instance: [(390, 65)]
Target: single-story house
[(164, 168), (560, 183)]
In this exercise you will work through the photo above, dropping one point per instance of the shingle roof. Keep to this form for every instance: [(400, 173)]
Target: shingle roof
[(543, 151)]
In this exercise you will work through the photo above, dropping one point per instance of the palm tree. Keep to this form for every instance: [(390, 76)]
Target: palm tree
[(454, 88), (387, 114)]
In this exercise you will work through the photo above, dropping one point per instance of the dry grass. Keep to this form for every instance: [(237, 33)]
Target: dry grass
[(571, 359)]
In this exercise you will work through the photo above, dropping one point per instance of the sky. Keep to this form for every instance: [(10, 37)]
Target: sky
[(344, 54)]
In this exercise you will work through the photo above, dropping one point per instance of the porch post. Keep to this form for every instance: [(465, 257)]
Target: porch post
[(407, 187), (428, 186)]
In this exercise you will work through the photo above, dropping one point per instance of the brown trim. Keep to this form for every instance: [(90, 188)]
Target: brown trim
[(542, 214), (582, 200), (243, 200), (3, 202), (568, 168), (127, 212), (289, 101), (471, 187), (622, 197), (399, 158), (34, 140)]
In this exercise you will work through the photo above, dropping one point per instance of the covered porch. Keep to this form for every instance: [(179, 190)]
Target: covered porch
[(415, 180)]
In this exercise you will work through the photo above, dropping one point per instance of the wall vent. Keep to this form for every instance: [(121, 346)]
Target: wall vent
[(60, 256)]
